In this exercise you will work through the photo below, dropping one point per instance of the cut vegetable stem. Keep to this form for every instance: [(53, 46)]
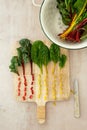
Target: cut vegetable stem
[(63, 35)]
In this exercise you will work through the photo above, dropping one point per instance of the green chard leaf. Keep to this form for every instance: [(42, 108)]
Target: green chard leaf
[(80, 5), (84, 35), (22, 56), (66, 20), (64, 10), (25, 58), (26, 46), (24, 52), (62, 61), (40, 53), (56, 56), (25, 43), (54, 53), (35, 55), (19, 52), (14, 64), (45, 55), (67, 3)]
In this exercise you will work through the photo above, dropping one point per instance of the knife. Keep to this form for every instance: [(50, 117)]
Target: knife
[(76, 100)]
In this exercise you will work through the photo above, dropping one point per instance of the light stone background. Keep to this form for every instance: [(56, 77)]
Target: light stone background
[(19, 19)]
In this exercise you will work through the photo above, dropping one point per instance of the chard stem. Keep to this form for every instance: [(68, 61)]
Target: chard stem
[(63, 35)]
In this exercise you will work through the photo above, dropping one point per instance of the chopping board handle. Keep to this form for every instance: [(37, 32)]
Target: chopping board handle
[(41, 114)]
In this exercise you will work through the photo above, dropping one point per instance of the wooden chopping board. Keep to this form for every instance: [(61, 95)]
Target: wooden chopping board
[(51, 85)]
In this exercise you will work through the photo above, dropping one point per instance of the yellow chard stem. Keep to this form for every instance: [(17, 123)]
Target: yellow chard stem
[(54, 84), (53, 69), (39, 86), (61, 82), (46, 84), (63, 35)]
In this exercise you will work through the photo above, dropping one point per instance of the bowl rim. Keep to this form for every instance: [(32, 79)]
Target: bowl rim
[(70, 48)]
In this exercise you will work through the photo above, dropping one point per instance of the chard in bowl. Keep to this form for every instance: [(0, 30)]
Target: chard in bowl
[(53, 25)]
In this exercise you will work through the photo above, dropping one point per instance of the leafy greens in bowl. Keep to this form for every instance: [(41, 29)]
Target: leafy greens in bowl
[(65, 22), (74, 14)]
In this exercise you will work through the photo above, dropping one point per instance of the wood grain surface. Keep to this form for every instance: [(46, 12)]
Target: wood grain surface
[(19, 19), (41, 114)]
